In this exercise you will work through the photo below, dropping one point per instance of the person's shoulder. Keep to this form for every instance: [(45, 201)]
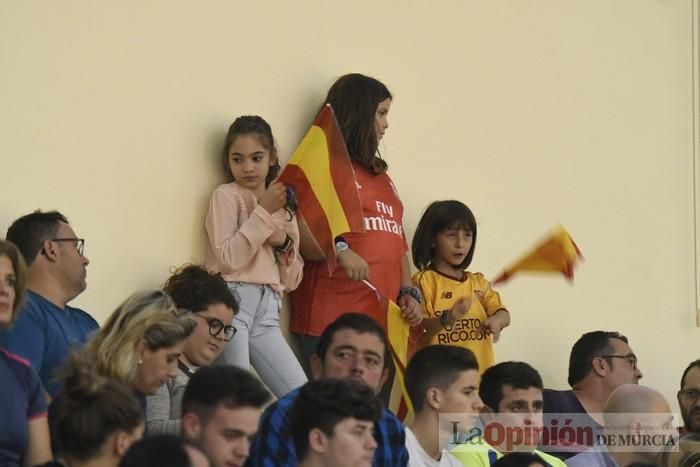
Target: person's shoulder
[(426, 277), (449, 460), (559, 401), (35, 304), (20, 367), (283, 404), (288, 398), (557, 395), (229, 190), (475, 451), (553, 461), (478, 278), (83, 316), (35, 311), (389, 421), (14, 361), (587, 458)]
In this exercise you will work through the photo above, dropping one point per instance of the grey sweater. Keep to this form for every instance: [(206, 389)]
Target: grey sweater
[(164, 408)]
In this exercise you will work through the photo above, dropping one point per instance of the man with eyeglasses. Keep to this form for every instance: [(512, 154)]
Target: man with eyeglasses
[(354, 346), (600, 362), (689, 398), (47, 328)]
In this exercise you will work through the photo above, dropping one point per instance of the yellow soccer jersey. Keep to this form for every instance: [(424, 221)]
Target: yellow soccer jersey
[(441, 292)]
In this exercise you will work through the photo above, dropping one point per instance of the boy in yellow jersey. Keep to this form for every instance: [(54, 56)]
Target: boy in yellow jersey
[(512, 395)]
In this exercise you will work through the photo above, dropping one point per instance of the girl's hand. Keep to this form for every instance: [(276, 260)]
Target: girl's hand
[(274, 198), (460, 308), (355, 267), (497, 322), (412, 310), (277, 238)]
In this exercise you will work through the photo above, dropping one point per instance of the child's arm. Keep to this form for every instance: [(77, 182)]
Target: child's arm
[(498, 315), (290, 263), (434, 325), (496, 322), (232, 245), (355, 267), (412, 309), (307, 244)]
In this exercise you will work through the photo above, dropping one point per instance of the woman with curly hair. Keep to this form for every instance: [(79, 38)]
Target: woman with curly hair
[(209, 299)]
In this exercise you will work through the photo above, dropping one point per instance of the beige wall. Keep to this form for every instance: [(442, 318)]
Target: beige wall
[(533, 112)]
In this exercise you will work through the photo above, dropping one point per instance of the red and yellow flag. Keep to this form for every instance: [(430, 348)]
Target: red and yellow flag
[(321, 174), (556, 253), (402, 343)]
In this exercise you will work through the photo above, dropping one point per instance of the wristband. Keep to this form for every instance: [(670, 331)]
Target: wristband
[(340, 245), (445, 320), (413, 292), (285, 246)]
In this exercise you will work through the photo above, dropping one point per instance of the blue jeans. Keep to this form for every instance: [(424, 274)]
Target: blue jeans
[(259, 340)]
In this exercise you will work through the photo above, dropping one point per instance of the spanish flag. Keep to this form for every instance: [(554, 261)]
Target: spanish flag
[(402, 343), (321, 174), (556, 253)]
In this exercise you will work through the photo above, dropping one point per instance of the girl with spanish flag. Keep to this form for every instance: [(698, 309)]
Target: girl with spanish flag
[(253, 242), (374, 258)]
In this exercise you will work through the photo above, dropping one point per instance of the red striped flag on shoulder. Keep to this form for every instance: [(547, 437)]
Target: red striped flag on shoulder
[(321, 174)]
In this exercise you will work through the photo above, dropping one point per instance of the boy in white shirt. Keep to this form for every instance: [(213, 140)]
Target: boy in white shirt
[(443, 384)]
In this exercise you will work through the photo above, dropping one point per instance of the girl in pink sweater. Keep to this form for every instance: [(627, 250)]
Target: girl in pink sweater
[(253, 242)]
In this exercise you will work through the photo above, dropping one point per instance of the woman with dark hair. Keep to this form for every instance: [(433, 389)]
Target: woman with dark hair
[(24, 430), (378, 255), (208, 297)]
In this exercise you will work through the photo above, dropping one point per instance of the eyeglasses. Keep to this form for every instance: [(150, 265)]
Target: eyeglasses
[(631, 359), (216, 326), (689, 395), (79, 245)]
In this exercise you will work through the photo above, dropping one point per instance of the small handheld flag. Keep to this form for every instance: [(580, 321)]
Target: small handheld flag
[(402, 344), (321, 174), (556, 253)]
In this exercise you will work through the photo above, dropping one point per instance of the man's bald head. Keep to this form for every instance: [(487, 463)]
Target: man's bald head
[(638, 422), (633, 398)]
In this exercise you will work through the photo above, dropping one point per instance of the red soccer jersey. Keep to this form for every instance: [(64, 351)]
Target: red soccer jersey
[(320, 299)]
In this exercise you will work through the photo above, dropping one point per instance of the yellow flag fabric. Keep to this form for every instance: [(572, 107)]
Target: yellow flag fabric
[(318, 174), (400, 341), (556, 253), (322, 176)]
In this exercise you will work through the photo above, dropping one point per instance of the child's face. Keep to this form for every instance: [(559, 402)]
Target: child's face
[(352, 444), (381, 118), (452, 245), (462, 399), (249, 161)]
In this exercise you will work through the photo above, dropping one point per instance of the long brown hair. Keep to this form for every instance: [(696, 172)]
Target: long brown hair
[(354, 98)]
